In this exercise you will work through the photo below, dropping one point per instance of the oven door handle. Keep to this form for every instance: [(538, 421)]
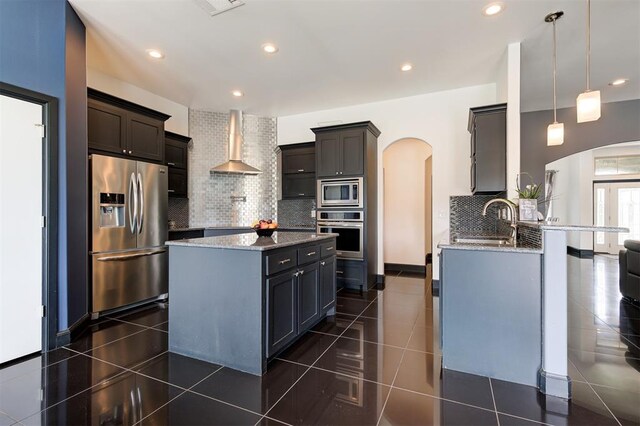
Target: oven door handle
[(341, 224)]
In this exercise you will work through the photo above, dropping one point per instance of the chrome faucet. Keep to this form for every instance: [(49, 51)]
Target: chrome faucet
[(512, 214)]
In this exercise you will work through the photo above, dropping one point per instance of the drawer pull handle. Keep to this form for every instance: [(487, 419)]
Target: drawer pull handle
[(282, 262), (329, 248), (302, 193), (171, 164), (340, 272), (301, 170), (172, 190), (311, 253)]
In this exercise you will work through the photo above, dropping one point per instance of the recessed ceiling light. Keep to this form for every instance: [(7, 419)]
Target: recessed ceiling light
[(155, 53), (270, 48), (406, 67), (493, 8), (618, 82), (237, 93)]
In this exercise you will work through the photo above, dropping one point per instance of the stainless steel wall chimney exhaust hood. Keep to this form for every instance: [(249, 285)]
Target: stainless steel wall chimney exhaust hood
[(235, 166)]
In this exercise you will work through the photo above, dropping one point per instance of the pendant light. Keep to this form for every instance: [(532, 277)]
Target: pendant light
[(588, 102), (555, 131)]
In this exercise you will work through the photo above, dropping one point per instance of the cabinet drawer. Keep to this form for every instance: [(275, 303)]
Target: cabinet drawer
[(328, 249), (281, 261), (308, 254), (350, 273)]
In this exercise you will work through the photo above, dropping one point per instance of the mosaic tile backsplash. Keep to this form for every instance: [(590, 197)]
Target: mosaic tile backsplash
[(465, 216), (211, 196), (179, 212), (296, 213)]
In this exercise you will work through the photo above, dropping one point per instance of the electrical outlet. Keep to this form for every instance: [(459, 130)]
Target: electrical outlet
[(313, 214)]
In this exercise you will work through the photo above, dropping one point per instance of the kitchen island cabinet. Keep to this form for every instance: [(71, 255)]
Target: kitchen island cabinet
[(239, 300)]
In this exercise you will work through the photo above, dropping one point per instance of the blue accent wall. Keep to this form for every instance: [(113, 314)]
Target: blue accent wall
[(42, 48)]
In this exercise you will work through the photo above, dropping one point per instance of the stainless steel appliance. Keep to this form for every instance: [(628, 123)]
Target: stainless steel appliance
[(129, 261), (349, 226), (340, 193)]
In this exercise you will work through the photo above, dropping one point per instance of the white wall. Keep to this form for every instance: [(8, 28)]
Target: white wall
[(513, 117), (439, 118), (179, 121), (405, 222)]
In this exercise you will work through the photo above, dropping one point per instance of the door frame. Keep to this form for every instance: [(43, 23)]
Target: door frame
[(49, 207), (593, 198)]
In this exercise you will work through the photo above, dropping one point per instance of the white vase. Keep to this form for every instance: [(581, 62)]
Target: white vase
[(528, 209)]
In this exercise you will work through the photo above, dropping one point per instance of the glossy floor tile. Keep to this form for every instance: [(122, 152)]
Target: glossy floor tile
[(376, 362)]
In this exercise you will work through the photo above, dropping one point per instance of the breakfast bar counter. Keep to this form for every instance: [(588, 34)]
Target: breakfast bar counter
[(239, 300)]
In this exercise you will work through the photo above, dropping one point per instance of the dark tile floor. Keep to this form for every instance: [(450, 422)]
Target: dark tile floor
[(376, 362)]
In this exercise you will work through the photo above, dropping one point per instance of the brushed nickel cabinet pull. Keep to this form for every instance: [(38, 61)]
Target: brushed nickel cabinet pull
[(311, 253), (282, 262)]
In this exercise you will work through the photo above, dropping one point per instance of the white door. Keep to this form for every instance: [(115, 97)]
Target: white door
[(21, 237), (616, 204)]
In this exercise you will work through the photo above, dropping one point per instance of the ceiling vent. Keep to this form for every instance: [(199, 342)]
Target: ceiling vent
[(216, 7)]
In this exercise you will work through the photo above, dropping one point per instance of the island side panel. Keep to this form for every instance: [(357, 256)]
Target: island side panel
[(215, 306), (491, 310)]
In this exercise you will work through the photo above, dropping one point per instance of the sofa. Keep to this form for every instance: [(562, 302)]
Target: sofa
[(630, 271)]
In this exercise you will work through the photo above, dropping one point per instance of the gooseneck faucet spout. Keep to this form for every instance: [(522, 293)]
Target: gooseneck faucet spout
[(512, 214)]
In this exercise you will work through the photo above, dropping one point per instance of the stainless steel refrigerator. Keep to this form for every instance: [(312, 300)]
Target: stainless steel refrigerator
[(129, 261)]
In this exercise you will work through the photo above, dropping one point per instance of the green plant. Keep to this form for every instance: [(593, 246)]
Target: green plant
[(531, 191)]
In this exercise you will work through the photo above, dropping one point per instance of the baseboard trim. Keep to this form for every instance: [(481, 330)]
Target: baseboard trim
[(400, 267), (580, 253), (429, 259), (554, 385), (380, 282), (435, 287), (64, 337)]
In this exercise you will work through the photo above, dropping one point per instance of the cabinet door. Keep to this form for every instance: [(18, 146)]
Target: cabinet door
[(328, 154), (327, 283), (301, 185), (106, 127), (352, 153), (299, 160), (490, 135), (281, 311), (146, 137), (175, 153), (177, 183), (308, 296)]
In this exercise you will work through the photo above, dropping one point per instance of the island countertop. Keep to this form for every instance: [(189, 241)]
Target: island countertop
[(252, 241), (559, 226)]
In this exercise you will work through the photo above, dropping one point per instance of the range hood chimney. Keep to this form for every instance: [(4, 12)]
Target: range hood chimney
[(235, 166)]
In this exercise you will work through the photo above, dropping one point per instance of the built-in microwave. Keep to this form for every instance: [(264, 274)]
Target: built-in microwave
[(340, 193)]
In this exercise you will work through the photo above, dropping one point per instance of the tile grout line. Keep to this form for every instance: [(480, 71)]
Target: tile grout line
[(150, 327), (524, 418), (594, 391), (493, 398), (180, 387), (108, 343)]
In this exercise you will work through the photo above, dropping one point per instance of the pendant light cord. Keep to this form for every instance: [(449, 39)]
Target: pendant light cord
[(554, 70), (588, 43)]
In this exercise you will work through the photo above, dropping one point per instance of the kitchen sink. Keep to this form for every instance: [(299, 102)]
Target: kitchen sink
[(485, 241)]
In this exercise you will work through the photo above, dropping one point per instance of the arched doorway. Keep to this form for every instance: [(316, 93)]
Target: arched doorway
[(407, 171)]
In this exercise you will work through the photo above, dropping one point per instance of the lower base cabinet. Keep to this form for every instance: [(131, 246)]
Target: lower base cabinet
[(351, 274), (297, 298)]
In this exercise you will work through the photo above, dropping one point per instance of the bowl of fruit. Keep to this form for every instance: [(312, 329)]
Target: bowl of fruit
[(264, 227)]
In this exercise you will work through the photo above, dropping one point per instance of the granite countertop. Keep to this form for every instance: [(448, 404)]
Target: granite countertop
[(238, 228), (447, 242), (252, 241), (558, 226)]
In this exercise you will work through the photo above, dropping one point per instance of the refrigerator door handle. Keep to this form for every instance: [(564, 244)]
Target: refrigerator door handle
[(141, 192), (130, 256), (133, 216)]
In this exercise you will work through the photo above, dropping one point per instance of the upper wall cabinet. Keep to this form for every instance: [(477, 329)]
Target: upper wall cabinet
[(488, 128), (122, 128), (341, 150), (299, 171), (176, 149)]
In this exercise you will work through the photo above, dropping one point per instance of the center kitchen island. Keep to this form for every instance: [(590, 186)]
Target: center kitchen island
[(239, 300)]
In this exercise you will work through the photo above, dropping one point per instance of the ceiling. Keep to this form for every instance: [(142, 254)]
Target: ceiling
[(337, 53)]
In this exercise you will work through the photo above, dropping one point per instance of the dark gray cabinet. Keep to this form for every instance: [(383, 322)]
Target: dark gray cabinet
[(187, 234), (308, 296), (176, 148), (327, 278), (298, 171), (124, 129), (341, 153), (488, 129), (282, 316)]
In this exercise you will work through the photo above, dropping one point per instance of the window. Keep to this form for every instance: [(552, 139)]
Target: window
[(616, 166)]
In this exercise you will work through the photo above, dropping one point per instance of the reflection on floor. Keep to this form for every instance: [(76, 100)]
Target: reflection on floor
[(376, 362)]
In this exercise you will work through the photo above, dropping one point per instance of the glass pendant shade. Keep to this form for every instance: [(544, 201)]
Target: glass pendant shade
[(588, 106), (555, 134)]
